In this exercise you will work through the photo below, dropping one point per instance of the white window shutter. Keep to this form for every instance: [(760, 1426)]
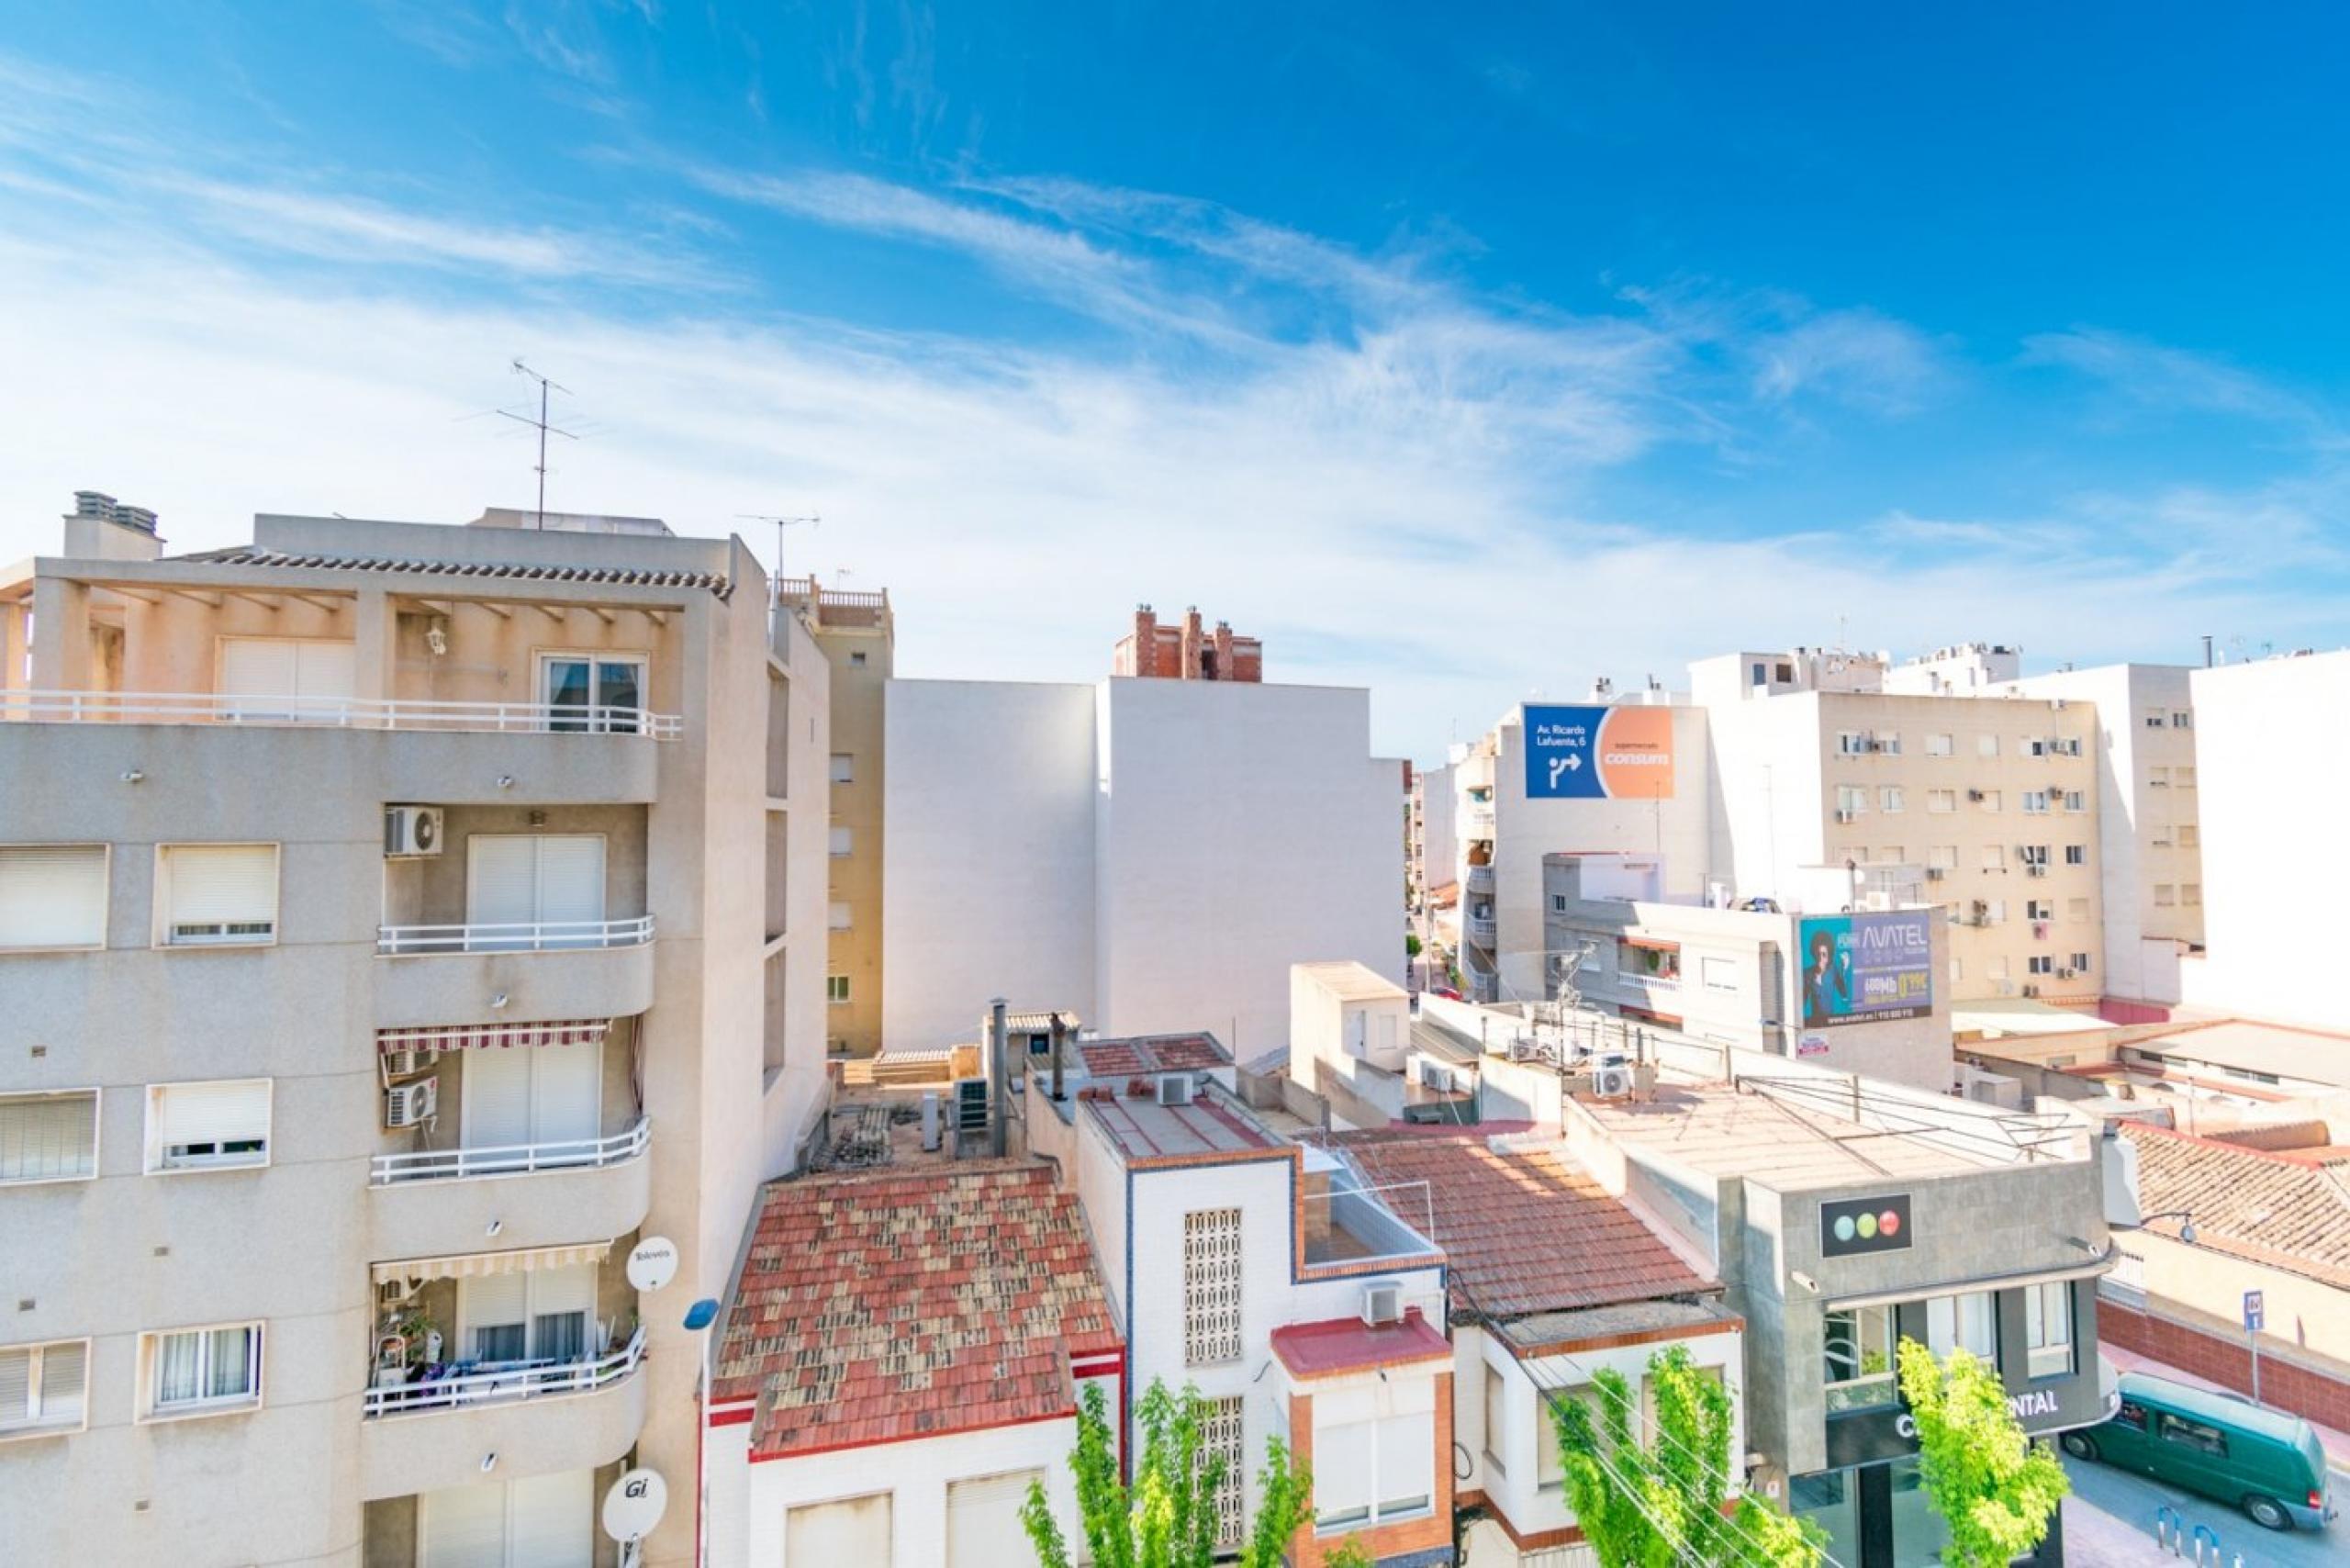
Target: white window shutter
[(326, 670), (551, 1521), (16, 1388), (230, 1111), (1342, 1473), (501, 880), (566, 1091), (568, 1289), (464, 1527), (489, 1301), (258, 666), (45, 1138), (1407, 1463), (856, 1530), (982, 1514), (571, 877), (53, 896), (222, 884), (496, 1089)]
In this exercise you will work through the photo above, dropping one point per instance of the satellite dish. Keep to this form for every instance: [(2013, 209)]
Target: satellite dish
[(652, 1263), (635, 1504)]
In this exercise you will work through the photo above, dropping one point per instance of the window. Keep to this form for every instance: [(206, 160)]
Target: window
[(2155, 718), (1943, 800), (2190, 894), (541, 1520), (2077, 911), (2161, 837), (1557, 903), (1957, 971), (2158, 778), (844, 840), (1756, 674), (1785, 672), (1889, 741), (534, 890), (2190, 837), (2039, 909), (2048, 1328), (2035, 802), (312, 681), (216, 895), (1938, 746), (192, 1371), (2041, 963), (1998, 966), (856, 658), (1859, 1368), (2182, 721), (1496, 1423), (1888, 798), (844, 767), (2193, 1435), (2032, 854), (2079, 963), (208, 1126), (599, 693), (2166, 895), (529, 1315), (1969, 1322), (1851, 802), (52, 895), (836, 915), (49, 1138), (836, 988), (1368, 1471), (1942, 856), (2076, 802), (2035, 747), (2077, 854), (2184, 776), (1995, 857), (1221, 1433), (1995, 911), (44, 1388), (1891, 855), (1851, 743), (1986, 746), (1717, 974), (1990, 800), (1210, 1287)]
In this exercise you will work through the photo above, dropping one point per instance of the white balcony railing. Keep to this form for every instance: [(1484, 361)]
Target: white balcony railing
[(1480, 880), (534, 936), (333, 713), (506, 1381), (511, 1160), (1481, 930)]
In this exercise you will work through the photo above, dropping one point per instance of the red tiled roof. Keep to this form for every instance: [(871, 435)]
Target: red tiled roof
[(2288, 1210), (1152, 1053), (1145, 1132), (879, 1307), (1349, 1344), (1526, 1229)]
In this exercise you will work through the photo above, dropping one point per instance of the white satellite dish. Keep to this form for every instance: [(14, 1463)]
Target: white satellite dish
[(652, 1263), (635, 1504)]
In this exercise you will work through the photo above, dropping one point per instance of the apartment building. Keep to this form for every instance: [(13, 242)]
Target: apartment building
[(858, 636), (385, 976), (1990, 803), (1186, 650), (2268, 750), (2150, 854), (1624, 774), (1149, 854), (1274, 1279)]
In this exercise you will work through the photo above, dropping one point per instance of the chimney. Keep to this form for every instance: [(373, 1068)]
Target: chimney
[(1145, 658), (100, 528), (1223, 650), (1191, 650), (1000, 1076)]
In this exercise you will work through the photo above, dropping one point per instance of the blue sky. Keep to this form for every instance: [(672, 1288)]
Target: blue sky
[(1461, 356)]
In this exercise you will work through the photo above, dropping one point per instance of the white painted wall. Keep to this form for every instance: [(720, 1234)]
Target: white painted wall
[(2271, 752)]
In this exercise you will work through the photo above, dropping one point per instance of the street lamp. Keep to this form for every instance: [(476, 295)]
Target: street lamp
[(2186, 1223), (699, 1317)]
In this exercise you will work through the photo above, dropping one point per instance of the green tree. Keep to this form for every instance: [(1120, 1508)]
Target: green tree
[(1664, 1507), (1167, 1517), (1996, 1489)]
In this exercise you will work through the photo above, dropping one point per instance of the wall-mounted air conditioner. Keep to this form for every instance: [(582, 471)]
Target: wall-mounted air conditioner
[(2066, 974), (2031, 990), (1935, 873), (404, 1064), (411, 831), (1382, 1302), (406, 1104), (393, 1293)]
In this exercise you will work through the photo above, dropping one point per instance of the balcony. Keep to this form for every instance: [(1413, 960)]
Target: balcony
[(1478, 879), (1476, 820), (333, 713), (433, 1200), (573, 1417), (1480, 929), (424, 986), (535, 936), (498, 1381)]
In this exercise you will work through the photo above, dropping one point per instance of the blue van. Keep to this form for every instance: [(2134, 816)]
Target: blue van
[(2265, 1461)]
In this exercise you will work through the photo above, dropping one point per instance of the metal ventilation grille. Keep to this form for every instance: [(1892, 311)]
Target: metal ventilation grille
[(1220, 1435), (1210, 1287)]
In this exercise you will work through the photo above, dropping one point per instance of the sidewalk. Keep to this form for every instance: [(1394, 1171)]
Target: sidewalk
[(2338, 1442)]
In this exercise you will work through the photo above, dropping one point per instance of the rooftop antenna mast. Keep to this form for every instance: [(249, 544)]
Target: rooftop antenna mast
[(542, 426), (810, 520)]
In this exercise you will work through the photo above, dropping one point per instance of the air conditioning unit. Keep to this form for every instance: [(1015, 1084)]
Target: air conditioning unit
[(1175, 1088), (1935, 873), (404, 1064), (2066, 974), (1382, 1302), (392, 1294), (2035, 869), (2031, 990), (1612, 1082), (406, 1104), (411, 831), (1975, 794), (1436, 1075), (1846, 816)]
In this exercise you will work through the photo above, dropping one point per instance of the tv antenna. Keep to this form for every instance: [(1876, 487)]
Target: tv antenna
[(542, 426), (781, 523)]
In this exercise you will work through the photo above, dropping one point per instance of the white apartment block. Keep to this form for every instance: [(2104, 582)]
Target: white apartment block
[(2270, 756), (1989, 804), (381, 971), (2149, 856), (1149, 854)]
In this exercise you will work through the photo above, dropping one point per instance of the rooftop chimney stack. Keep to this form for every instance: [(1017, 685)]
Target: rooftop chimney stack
[(100, 528)]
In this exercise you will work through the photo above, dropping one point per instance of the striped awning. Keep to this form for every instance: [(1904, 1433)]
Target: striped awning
[(460, 1036), (474, 1265)]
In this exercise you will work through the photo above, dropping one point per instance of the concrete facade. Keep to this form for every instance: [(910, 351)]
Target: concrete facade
[(1150, 854), (128, 738)]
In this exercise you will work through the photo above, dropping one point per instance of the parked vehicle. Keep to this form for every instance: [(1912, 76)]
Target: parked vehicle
[(2265, 1461)]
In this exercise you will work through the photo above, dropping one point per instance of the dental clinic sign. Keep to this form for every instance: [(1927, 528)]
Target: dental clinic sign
[(1591, 753), (2036, 1404)]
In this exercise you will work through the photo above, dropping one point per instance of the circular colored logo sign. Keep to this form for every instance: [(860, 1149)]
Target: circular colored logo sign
[(1843, 1228), (1636, 754), (1867, 1226), (1889, 1223)]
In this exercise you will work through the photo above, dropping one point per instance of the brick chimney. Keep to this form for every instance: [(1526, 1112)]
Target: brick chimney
[(1190, 650)]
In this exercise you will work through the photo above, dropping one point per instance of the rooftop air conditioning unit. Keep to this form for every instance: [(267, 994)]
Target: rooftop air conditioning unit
[(1175, 1088), (411, 831), (406, 1104), (1382, 1302), (1614, 1082), (1436, 1075)]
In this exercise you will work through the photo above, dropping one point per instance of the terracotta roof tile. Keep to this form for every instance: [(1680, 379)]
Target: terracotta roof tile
[(876, 1307), (2290, 1210), (1527, 1229), (1152, 1053)]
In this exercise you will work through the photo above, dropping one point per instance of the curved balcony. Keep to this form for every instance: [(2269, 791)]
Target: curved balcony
[(1480, 929), (332, 712), (1478, 879), (419, 985), (423, 1437), (439, 1200)]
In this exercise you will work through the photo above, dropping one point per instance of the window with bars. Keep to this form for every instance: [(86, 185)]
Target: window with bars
[(43, 1388), (1221, 1437), (49, 1138), (1210, 1287)]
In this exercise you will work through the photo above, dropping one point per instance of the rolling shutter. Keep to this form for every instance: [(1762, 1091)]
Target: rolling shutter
[(566, 1091), (491, 1301), (263, 667), (501, 880), (49, 1138), (983, 1527), (496, 1084), (64, 1378), (53, 896), (1342, 1473), (464, 1527), (552, 1520), (854, 1531), (326, 671), (571, 877), (257, 666), (1406, 1464), (222, 889), (17, 1387), (231, 1111)]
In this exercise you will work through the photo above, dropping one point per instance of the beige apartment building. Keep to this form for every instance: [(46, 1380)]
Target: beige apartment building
[(858, 639), (1986, 805), (381, 975)]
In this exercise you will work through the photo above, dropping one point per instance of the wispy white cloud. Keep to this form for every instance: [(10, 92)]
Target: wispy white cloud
[(2161, 376)]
